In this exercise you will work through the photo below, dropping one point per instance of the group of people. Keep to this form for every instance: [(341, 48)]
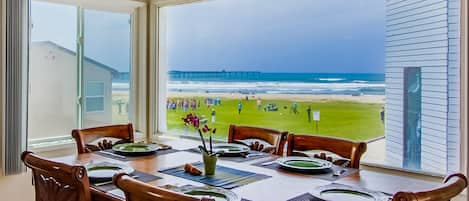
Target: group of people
[(191, 104), (184, 104)]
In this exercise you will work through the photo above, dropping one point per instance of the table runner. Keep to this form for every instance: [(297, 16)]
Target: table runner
[(141, 176), (326, 175), (239, 159), (109, 153), (224, 177)]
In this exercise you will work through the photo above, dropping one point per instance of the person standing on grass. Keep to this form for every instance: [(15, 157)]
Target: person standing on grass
[(308, 111), (214, 117), (295, 108), (240, 107), (185, 104), (259, 103), (382, 115)]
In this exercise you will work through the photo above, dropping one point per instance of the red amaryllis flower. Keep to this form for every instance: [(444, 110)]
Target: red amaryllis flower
[(196, 122)]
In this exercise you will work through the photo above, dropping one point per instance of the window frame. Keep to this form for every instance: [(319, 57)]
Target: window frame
[(130, 7)]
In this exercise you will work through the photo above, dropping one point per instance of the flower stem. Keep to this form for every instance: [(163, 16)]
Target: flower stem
[(202, 139), (211, 150)]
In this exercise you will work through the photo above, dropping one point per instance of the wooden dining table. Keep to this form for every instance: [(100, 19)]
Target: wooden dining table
[(281, 186)]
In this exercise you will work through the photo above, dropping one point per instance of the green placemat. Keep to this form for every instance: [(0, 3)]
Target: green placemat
[(224, 177)]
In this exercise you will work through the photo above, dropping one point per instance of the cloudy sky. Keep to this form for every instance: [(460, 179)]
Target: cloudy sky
[(336, 36)]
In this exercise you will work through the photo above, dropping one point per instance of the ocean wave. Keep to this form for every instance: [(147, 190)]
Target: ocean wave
[(331, 79), (270, 87), (359, 81)]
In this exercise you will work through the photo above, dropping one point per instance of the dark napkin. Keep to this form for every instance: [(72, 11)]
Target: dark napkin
[(238, 159), (224, 177), (141, 176), (129, 158), (305, 197), (325, 175)]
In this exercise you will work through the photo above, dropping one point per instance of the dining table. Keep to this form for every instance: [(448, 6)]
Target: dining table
[(279, 186)]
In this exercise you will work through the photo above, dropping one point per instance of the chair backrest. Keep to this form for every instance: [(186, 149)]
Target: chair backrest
[(138, 191), (453, 185), (55, 181), (85, 136), (344, 148), (273, 137)]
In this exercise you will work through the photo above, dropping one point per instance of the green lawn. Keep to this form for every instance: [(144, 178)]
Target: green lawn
[(351, 120)]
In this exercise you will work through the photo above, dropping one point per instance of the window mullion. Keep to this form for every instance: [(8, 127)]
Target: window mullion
[(80, 48)]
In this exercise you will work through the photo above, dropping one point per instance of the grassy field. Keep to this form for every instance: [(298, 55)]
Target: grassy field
[(350, 120)]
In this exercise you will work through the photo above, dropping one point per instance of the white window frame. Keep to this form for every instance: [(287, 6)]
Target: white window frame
[(138, 50), (97, 96)]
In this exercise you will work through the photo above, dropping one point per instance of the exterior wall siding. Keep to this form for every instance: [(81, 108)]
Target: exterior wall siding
[(424, 34)]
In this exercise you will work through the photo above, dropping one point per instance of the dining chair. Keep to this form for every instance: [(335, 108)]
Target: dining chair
[(135, 190), (350, 151), (453, 185), (55, 181), (272, 140), (91, 139)]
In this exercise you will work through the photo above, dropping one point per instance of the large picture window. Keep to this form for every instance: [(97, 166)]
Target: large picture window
[(383, 72)]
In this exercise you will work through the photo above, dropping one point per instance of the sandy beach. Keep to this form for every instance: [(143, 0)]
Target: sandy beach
[(292, 97)]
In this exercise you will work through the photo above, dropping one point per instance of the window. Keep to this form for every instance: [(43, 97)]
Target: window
[(393, 82), (412, 118), (53, 71), (95, 97), (107, 58), (77, 52)]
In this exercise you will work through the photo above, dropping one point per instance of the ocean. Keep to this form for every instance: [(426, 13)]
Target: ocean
[(271, 83)]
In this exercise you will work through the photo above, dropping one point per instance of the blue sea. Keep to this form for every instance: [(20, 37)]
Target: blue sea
[(272, 83)]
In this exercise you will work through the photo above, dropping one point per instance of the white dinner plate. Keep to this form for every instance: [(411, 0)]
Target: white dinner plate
[(230, 148), (218, 194), (98, 172), (304, 163)]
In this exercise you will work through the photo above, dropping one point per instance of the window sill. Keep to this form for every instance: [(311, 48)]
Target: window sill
[(50, 144)]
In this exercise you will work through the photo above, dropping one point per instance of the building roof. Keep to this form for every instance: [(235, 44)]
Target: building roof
[(114, 72)]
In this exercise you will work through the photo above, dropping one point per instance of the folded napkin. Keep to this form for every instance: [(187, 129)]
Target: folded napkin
[(267, 147)]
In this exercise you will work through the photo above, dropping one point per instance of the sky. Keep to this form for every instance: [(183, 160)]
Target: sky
[(107, 34), (331, 36), (327, 36)]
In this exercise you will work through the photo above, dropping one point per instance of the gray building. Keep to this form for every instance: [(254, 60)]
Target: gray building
[(53, 91), (422, 84)]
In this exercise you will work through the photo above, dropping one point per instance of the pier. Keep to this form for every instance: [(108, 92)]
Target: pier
[(227, 75)]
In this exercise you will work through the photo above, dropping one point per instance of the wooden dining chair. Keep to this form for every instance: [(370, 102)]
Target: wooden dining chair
[(83, 137), (453, 185), (350, 151), (55, 181), (247, 134), (138, 191)]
